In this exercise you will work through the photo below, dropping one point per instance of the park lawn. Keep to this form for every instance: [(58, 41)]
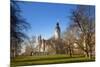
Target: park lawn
[(50, 59)]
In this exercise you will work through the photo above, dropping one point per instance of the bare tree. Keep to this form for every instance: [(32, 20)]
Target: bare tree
[(69, 37), (83, 18), (30, 45)]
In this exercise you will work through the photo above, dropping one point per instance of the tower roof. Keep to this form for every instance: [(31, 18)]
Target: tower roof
[(57, 26)]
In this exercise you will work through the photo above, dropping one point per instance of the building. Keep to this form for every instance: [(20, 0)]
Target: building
[(52, 45)]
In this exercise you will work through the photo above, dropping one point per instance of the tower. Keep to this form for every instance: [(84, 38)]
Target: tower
[(39, 42), (57, 31)]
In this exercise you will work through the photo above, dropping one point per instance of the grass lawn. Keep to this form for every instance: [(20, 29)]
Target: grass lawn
[(50, 59)]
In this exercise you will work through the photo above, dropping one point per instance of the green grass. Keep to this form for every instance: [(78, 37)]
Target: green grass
[(51, 59)]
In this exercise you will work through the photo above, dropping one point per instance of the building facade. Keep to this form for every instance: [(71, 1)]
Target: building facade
[(50, 45)]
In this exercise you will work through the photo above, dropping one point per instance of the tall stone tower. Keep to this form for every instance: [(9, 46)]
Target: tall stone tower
[(57, 31)]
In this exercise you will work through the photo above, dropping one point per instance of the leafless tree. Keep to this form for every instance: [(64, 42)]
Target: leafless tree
[(69, 37), (83, 17), (30, 45)]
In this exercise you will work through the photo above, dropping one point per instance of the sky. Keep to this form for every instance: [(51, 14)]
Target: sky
[(43, 17)]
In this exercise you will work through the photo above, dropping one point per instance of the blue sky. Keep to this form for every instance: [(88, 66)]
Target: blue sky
[(43, 17)]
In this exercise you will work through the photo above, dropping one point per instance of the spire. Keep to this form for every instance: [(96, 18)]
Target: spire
[(39, 38)]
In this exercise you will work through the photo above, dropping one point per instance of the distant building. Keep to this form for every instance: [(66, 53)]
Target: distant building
[(50, 45)]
